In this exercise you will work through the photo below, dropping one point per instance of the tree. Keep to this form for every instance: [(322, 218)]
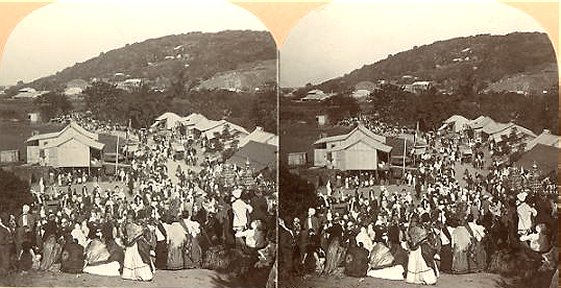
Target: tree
[(296, 194), (52, 105), (13, 192), (102, 99)]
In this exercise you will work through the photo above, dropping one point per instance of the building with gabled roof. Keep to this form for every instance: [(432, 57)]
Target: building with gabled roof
[(317, 95), (71, 147), (360, 149)]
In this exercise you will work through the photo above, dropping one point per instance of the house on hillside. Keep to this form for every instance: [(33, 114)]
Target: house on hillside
[(76, 87), (34, 117), (316, 95), (418, 87), (71, 147), (260, 136), (545, 138), (360, 94), (29, 93), (130, 84), (322, 119), (359, 149)]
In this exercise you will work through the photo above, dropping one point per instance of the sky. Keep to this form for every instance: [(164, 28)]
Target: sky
[(66, 32), (341, 37)]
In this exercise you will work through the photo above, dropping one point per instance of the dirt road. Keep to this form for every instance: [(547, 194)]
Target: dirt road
[(194, 278), (478, 280)]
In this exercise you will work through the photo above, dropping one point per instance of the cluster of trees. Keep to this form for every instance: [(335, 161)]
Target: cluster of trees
[(534, 112), (296, 195), (143, 105), (52, 104), (13, 192)]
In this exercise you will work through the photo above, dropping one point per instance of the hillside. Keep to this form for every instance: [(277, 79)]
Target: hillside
[(190, 58), (479, 61), (245, 78)]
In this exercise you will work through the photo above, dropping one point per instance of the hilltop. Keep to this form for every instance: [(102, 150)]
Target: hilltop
[(518, 61), (190, 58)]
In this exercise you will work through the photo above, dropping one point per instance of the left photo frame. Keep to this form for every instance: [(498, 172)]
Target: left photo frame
[(142, 147)]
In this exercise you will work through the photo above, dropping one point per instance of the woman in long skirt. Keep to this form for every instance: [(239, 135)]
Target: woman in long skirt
[(161, 246), (421, 269), (176, 245), (52, 251), (460, 246), (334, 256), (137, 265)]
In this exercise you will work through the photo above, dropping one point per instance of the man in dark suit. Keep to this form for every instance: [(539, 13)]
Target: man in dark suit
[(286, 247), (25, 228), (6, 242)]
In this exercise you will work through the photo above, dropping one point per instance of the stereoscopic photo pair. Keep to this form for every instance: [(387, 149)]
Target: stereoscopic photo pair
[(386, 144)]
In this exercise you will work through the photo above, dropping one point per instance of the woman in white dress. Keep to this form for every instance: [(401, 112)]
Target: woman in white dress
[(138, 264)]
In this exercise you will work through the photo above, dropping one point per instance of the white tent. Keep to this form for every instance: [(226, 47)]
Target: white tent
[(458, 123), (169, 119)]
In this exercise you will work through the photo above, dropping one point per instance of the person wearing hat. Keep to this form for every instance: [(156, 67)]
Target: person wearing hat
[(525, 213), (241, 211)]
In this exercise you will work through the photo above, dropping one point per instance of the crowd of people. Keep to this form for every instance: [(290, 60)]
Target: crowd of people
[(144, 219), (445, 217), (376, 126)]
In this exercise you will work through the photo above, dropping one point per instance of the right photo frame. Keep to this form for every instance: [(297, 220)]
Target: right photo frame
[(418, 146)]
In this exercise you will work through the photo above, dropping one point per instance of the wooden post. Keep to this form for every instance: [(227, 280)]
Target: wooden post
[(404, 154)]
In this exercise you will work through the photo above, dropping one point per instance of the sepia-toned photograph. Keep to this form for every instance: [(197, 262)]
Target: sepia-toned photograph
[(138, 146), (258, 144), (418, 146)]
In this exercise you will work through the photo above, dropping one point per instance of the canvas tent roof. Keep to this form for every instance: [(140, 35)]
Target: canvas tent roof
[(260, 156), (206, 124), (170, 118), (168, 115), (456, 118), (192, 119), (480, 122), (261, 136), (494, 127), (506, 129), (545, 157), (545, 138)]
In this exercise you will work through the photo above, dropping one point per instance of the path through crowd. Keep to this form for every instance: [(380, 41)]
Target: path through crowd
[(162, 278)]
